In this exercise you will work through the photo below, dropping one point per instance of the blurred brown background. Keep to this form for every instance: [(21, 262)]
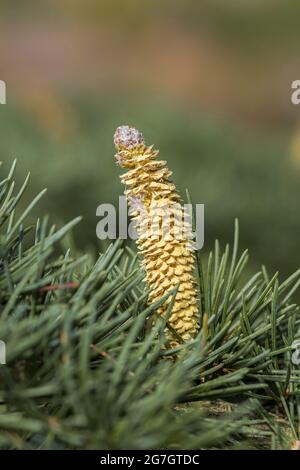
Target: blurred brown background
[(208, 82)]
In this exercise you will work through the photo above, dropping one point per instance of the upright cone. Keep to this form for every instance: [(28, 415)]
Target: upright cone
[(164, 232)]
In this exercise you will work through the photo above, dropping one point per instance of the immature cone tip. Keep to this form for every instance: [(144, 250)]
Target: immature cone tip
[(127, 137)]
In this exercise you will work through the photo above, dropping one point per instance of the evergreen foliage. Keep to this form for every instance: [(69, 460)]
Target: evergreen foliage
[(86, 368)]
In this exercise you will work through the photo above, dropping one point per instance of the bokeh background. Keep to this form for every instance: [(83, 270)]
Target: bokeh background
[(209, 82)]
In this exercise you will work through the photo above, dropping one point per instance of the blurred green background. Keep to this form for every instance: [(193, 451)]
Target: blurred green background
[(209, 83)]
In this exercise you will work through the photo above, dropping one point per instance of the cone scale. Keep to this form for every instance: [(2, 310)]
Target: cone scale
[(164, 234)]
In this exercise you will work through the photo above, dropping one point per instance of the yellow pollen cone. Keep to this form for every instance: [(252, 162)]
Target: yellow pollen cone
[(167, 258)]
